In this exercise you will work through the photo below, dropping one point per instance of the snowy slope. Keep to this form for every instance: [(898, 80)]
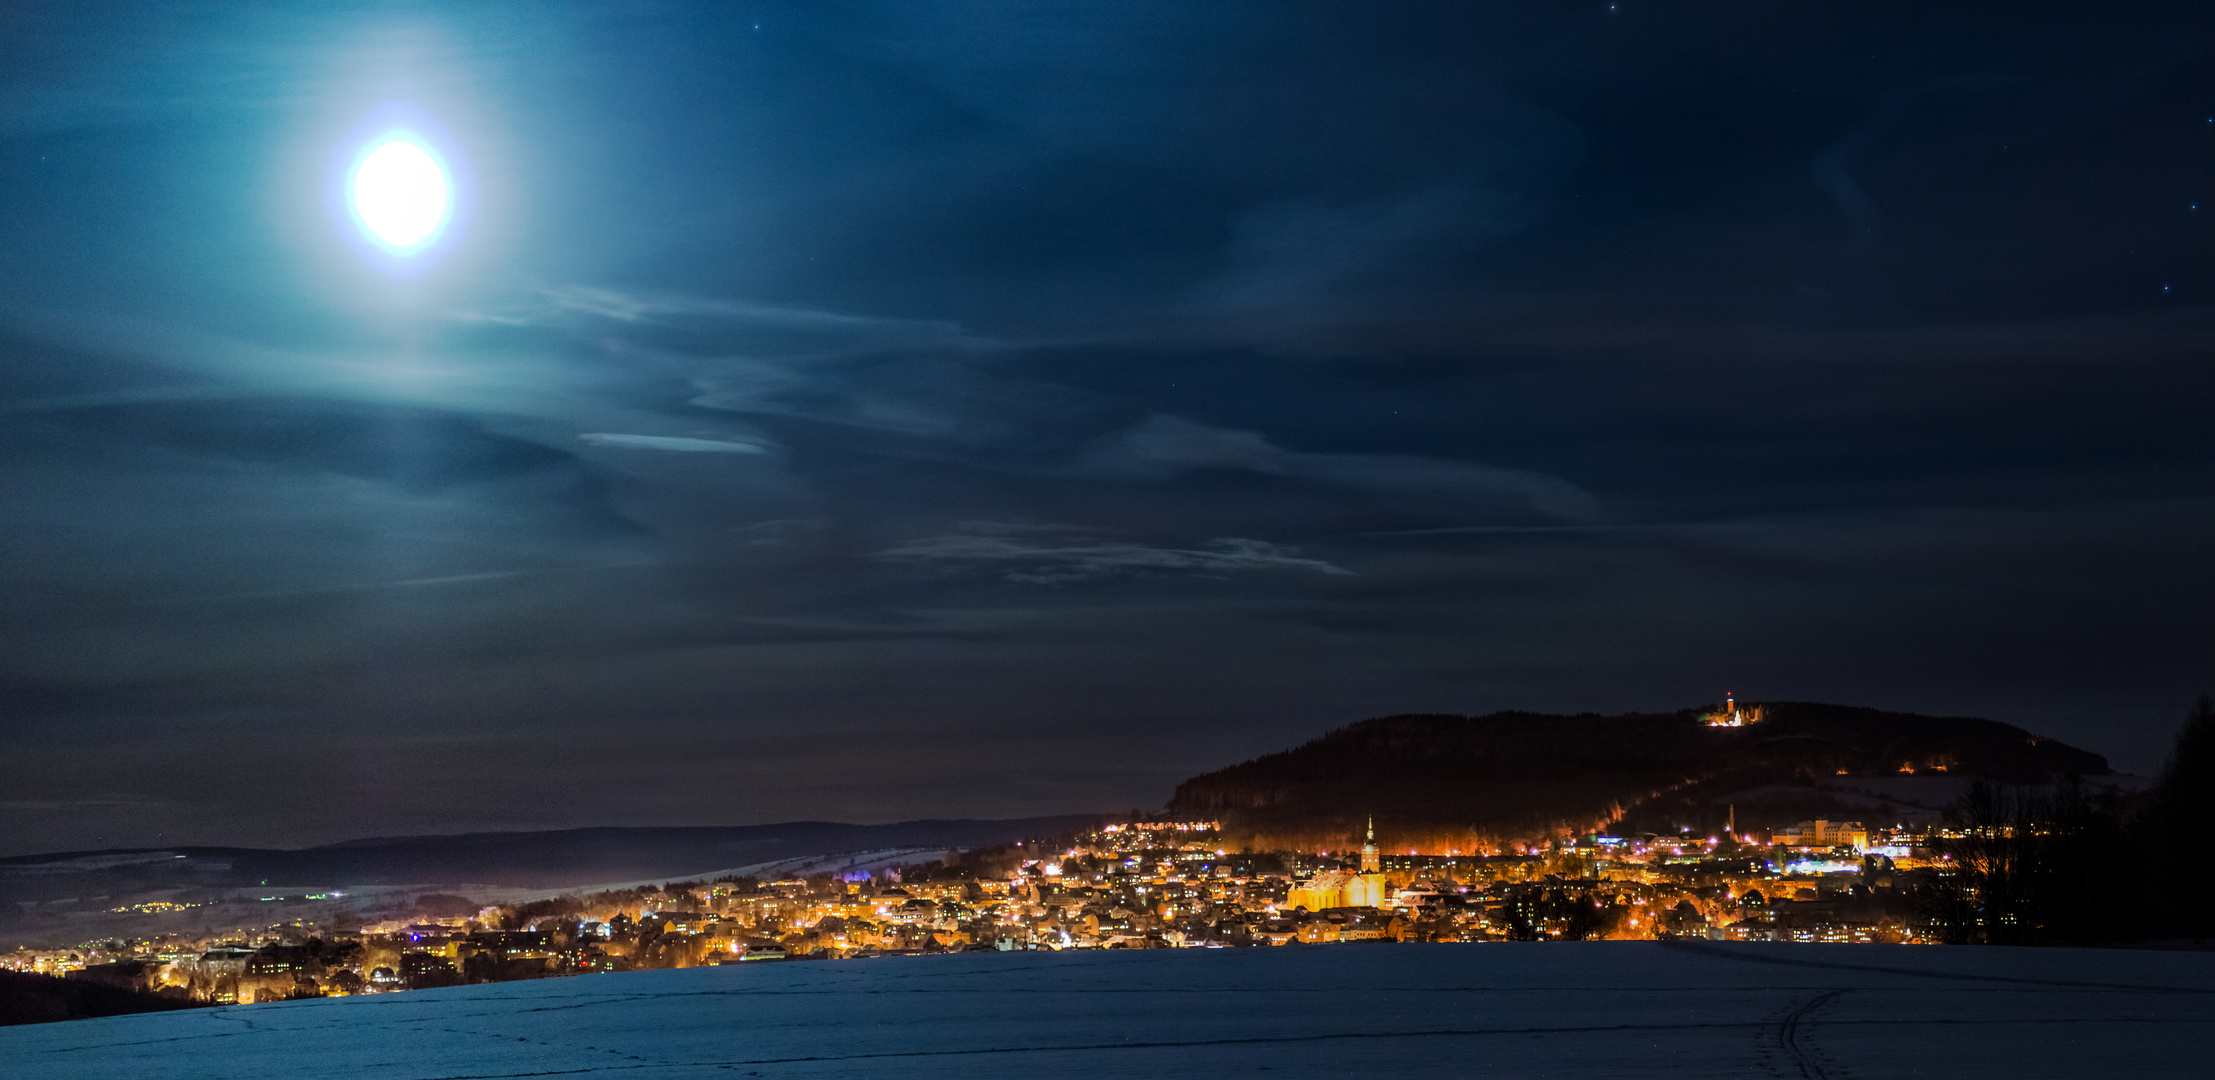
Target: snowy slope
[(1541, 1010)]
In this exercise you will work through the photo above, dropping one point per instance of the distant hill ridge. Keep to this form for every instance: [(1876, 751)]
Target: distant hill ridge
[(548, 859), (1462, 782)]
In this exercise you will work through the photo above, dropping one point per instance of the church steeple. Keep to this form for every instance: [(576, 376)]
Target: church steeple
[(1371, 861)]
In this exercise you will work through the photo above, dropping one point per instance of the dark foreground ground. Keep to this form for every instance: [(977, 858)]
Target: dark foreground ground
[(1544, 1010)]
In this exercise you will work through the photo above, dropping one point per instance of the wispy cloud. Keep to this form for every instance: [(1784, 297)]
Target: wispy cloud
[(1171, 444), (438, 581), (631, 307), (1305, 259), (672, 444), (781, 532), (1052, 554), (22, 805)]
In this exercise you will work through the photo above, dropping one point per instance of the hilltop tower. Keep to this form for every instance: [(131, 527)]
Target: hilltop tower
[(1371, 861), (1732, 715)]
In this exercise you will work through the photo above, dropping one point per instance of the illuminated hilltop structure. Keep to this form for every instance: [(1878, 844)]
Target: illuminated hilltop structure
[(1733, 716)]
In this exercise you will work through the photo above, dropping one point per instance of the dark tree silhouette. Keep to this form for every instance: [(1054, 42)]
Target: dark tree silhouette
[(2033, 866), (2179, 822), (2052, 865)]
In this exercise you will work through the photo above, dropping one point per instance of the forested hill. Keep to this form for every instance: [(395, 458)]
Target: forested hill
[(1459, 781)]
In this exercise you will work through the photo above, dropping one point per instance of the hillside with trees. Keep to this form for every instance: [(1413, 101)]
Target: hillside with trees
[(1441, 782)]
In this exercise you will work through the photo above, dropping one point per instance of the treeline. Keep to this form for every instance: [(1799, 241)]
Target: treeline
[(40, 999), (2060, 866)]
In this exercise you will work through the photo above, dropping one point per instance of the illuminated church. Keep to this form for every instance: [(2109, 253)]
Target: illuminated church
[(1337, 888)]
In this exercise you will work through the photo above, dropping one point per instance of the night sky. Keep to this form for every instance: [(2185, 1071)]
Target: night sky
[(877, 411)]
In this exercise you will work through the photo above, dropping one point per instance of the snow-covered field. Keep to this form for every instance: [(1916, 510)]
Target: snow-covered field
[(1542, 1010)]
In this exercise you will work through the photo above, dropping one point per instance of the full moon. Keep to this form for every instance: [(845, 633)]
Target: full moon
[(400, 193)]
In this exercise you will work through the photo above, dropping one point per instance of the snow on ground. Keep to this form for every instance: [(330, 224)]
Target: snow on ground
[(1524, 1011)]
